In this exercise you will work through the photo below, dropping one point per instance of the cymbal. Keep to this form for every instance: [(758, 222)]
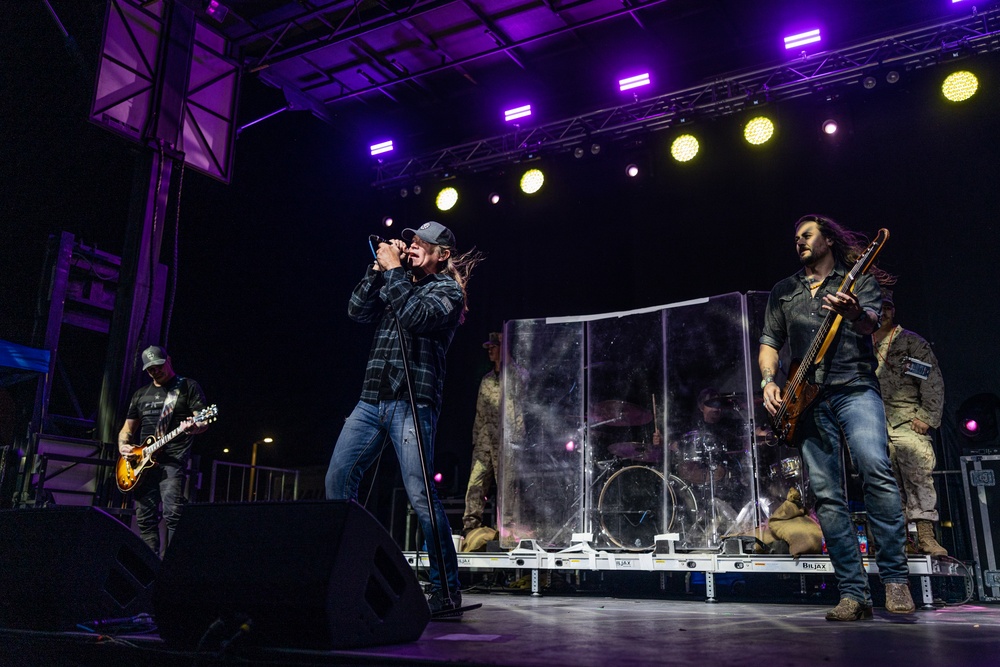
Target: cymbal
[(620, 413), (637, 451)]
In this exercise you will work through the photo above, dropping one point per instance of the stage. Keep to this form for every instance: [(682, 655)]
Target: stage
[(581, 631)]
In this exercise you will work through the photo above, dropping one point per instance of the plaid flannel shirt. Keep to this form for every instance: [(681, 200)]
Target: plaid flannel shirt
[(429, 312)]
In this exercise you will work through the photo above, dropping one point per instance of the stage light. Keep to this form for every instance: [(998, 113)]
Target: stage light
[(758, 130), (531, 181), (869, 82), (384, 147), (595, 149), (977, 419), (632, 170), (960, 86), (446, 199), (404, 193), (892, 76), (216, 11), (830, 126), (517, 112), (684, 148), (438, 477), (494, 198), (387, 221), (633, 82), (578, 152), (417, 189), (802, 38), (570, 446)]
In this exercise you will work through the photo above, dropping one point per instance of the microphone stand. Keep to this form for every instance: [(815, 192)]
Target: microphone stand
[(404, 354)]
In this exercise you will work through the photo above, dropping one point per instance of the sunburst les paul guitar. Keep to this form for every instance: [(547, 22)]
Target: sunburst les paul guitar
[(130, 467), (798, 393)]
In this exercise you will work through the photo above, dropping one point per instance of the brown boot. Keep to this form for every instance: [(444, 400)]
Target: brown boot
[(926, 542), (849, 610), (898, 599)]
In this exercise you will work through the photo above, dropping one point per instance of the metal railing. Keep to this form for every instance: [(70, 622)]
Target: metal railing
[(233, 482)]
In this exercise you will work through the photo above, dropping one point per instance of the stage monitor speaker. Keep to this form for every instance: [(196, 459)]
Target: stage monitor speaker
[(317, 575), (64, 566)]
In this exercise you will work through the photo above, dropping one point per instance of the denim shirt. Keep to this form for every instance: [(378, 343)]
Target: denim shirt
[(429, 311), (794, 315)]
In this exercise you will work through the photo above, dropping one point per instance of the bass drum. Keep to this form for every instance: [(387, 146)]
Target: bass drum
[(637, 503)]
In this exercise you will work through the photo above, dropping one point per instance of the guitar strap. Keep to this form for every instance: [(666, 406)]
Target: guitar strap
[(162, 426)]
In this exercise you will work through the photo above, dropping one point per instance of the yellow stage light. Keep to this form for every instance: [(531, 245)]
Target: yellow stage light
[(960, 86), (758, 130), (531, 181), (446, 199), (684, 148)]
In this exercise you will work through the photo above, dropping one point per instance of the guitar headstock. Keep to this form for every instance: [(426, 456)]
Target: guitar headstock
[(206, 416)]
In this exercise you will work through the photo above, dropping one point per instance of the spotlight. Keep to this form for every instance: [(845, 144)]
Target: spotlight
[(960, 86), (632, 170), (830, 126), (869, 82), (494, 198), (892, 76), (531, 181), (216, 11), (438, 477), (977, 419), (417, 189), (404, 193), (446, 199), (684, 148), (758, 130), (387, 221), (595, 149), (578, 152)]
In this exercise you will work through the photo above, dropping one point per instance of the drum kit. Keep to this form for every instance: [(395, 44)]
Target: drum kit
[(639, 501)]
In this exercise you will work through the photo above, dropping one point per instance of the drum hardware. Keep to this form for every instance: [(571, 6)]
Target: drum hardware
[(637, 451), (619, 413)]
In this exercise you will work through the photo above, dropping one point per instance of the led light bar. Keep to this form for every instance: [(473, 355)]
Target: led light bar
[(802, 39), (519, 112), (384, 147), (633, 82)]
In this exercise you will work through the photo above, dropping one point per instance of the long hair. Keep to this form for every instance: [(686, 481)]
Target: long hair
[(848, 246), (460, 268)]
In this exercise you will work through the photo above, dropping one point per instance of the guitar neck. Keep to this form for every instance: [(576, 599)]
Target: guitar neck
[(150, 449)]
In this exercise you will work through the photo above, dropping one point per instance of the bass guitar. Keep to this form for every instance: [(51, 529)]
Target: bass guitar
[(130, 467), (798, 393)]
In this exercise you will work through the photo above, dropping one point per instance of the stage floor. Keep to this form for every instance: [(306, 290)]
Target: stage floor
[(552, 631)]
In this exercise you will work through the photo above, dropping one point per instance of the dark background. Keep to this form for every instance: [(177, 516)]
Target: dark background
[(266, 263)]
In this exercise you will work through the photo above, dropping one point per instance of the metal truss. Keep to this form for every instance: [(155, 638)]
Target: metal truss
[(914, 48)]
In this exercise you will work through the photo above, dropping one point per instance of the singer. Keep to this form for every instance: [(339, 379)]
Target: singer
[(430, 299)]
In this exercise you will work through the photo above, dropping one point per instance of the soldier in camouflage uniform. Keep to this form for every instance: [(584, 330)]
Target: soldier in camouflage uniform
[(913, 393), (485, 439)]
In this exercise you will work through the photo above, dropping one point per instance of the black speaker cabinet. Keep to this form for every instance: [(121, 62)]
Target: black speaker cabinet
[(60, 566), (981, 475), (319, 575)]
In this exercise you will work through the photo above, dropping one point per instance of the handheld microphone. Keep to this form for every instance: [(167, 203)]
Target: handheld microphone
[(376, 239)]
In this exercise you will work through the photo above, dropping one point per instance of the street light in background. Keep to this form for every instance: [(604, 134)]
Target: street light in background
[(253, 465)]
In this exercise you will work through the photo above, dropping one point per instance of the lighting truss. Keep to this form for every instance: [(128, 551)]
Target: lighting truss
[(914, 48)]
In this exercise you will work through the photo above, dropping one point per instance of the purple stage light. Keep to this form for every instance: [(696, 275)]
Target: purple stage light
[(518, 112), (633, 82), (384, 147), (570, 446), (971, 426), (802, 39), (438, 477)]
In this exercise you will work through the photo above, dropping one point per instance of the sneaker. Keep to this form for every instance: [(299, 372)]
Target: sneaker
[(849, 610), (898, 599), (438, 603)]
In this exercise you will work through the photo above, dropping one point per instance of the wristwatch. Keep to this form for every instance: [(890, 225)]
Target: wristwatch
[(766, 381)]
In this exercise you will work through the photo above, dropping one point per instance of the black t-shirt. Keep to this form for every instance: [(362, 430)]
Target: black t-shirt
[(147, 405)]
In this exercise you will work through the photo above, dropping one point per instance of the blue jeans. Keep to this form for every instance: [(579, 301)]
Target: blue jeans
[(857, 412), (359, 445), (162, 484)]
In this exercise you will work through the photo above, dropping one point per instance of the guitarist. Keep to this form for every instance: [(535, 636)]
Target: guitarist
[(154, 410), (848, 409)]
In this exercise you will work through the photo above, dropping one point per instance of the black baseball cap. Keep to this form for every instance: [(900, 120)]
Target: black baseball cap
[(433, 232)]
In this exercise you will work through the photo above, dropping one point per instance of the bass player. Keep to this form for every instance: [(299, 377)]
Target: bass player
[(153, 411), (847, 409)]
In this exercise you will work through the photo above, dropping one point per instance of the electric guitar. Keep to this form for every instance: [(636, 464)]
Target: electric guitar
[(798, 393), (130, 467)]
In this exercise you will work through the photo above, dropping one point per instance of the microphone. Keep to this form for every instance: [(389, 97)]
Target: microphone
[(376, 239)]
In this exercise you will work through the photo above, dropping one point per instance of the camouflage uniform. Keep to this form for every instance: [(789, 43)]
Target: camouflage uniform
[(485, 450), (907, 398)]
